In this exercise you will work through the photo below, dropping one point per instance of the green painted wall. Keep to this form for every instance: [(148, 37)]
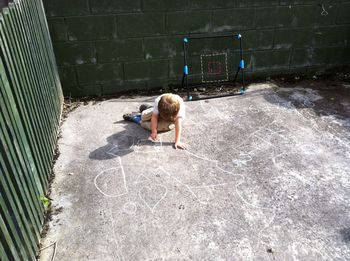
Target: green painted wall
[(105, 46)]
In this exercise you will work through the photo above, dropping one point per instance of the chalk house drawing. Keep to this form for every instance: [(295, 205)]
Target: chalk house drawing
[(112, 182)]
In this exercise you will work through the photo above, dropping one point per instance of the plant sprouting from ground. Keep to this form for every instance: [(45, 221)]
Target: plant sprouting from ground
[(45, 201)]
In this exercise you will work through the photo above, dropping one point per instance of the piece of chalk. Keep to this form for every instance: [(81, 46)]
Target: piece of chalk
[(154, 141)]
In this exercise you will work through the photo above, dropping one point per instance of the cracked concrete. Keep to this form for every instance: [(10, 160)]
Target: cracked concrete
[(265, 177)]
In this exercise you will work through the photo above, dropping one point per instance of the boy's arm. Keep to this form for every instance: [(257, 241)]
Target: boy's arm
[(178, 131), (154, 126)]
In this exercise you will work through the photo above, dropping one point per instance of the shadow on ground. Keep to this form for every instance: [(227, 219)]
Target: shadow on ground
[(345, 233), (124, 142), (325, 98)]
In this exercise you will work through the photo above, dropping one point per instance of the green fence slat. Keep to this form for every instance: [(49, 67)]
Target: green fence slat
[(15, 83), (32, 69), (23, 188), (14, 232), (3, 255), (15, 128), (9, 127), (39, 18), (40, 63), (17, 38), (23, 92), (45, 116), (37, 123), (31, 103), (12, 104), (51, 52), (41, 21), (8, 191), (11, 250), (20, 101), (40, 49), (41, 115), (49, 48), (28, 8)]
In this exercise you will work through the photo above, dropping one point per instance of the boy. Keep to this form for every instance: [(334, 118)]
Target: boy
[(167, 112)]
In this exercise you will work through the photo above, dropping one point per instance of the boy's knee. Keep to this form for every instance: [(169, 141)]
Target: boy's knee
[(161, 127), (146, 115)]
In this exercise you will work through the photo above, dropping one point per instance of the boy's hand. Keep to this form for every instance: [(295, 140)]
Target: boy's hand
[(153, 136), (180, 145)]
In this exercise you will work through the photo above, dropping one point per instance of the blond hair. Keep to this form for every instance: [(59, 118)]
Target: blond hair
[(168, 107)]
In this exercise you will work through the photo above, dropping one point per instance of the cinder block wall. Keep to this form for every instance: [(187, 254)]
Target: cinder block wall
[(106, 46)]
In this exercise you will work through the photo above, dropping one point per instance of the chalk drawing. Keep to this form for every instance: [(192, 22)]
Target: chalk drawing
[(148, 146), (141, 179), (204, 194), (264, 133), (310, 149), (264, 140), (324, 11), (274, 160), (116, 239), (213, 67), (116, 172), (221, 169), (324, 244), (115, 149), (246, 140), (253, 109), (209, 186), (179, 256), (245, 248), (130, 208), (143, 193), (271, 209), (211, 111), (298, 249), (243, 160), (307, 101), (182, 184)]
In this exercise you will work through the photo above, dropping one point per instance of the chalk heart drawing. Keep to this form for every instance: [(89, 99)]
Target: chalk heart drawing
[(153, 196)]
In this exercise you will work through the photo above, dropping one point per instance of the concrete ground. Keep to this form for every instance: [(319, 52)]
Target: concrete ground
[(266, 177)]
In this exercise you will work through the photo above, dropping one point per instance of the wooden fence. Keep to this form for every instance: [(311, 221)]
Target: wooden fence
[(30, 110)]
